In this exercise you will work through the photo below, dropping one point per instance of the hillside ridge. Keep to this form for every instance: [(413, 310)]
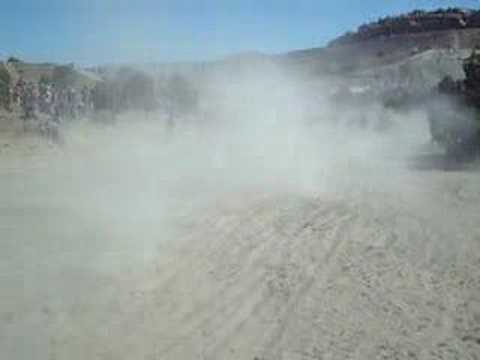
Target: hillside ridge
[(417, 21)]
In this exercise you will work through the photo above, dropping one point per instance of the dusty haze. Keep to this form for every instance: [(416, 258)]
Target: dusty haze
[(274, 224)]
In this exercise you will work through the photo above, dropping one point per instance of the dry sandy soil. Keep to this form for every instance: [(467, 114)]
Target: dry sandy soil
[(156, 247)]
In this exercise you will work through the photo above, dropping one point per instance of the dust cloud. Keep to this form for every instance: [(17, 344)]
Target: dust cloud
[(138, 205)]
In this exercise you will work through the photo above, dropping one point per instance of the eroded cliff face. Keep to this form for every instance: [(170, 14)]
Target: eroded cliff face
[(413, 23)]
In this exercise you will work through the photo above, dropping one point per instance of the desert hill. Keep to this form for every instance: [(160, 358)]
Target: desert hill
[(415, 22), (412, 51), (35, 72)]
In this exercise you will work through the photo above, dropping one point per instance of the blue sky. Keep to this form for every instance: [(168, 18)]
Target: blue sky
[(119, 31)]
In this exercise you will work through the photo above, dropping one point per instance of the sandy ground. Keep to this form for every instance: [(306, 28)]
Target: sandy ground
[(96, 264)]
